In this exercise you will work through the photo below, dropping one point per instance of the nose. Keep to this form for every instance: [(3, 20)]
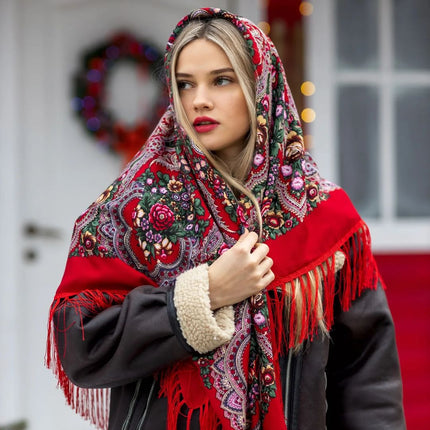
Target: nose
[(202, 99)]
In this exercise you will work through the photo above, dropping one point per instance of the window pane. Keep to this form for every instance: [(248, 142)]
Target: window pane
[(358, 146), (357, 34), (413, 151), (412, 34)]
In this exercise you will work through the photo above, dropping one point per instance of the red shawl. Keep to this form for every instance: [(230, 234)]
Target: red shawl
[(170, 210)]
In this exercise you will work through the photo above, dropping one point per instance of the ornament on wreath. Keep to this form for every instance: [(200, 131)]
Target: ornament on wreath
[(90, 93)]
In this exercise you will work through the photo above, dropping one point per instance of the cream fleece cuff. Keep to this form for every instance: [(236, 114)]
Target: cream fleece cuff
[(203, 329)]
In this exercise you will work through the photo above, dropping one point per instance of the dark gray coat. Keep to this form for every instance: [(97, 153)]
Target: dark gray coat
[(348, 381)]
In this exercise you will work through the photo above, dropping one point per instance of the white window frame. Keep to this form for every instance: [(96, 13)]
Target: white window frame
[(389, 233)]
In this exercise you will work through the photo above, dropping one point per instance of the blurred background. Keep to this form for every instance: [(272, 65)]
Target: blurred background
[(80, 90)]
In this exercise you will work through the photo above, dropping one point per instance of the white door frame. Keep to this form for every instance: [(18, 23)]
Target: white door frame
[(10, 408)]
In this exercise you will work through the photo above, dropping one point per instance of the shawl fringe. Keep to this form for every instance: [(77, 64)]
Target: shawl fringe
[(303, 304), (307, 302), (177, 406), (91, 404)]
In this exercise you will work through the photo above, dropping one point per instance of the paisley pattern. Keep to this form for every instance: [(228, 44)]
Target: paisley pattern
[(242, 390), (230, 380)]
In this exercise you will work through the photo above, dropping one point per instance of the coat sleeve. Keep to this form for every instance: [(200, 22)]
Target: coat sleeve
[(150, 330), (364, 388), (120, 344)]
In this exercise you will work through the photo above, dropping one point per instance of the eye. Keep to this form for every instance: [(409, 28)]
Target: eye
[(183, 85), (223, 80)]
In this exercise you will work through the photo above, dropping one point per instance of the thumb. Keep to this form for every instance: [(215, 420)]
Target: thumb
[(243, 236), (248, 239)]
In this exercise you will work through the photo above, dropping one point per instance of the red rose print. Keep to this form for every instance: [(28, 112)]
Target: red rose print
[(312, 191), (241, 214), (274, 220), (161, 217), (89, 241), (268, 375)]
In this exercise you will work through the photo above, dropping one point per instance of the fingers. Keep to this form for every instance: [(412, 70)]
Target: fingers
[(262, 263), (268, 278), (266, 274), (242, 236), (266, 264), (247, 240), (240, 272), (260, 251)]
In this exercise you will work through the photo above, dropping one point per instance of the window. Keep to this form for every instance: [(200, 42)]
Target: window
[(370, 63)]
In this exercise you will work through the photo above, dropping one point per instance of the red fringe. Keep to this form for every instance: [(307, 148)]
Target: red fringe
[(91, 404), (359, 272), (177, 406), (171, 389)]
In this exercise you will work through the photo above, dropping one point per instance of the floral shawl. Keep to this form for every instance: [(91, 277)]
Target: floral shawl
[(170, 211)]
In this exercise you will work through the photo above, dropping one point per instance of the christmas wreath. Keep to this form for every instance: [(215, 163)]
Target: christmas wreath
[(90, 92)]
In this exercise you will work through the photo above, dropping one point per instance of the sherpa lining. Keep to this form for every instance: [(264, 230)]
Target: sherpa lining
[(203, 329)]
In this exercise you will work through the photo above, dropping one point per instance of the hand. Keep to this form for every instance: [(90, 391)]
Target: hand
[(241, 272)]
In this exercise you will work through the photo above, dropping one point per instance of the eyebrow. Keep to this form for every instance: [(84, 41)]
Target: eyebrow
[(212, 72)]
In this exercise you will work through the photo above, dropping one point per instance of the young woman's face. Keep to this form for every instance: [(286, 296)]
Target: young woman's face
[(212, 98)]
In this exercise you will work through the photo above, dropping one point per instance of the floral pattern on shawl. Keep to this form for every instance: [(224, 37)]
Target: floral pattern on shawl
[(153, 216)]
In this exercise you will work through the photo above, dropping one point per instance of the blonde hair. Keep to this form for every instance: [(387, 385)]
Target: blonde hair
[(307, 290), (228, 38)]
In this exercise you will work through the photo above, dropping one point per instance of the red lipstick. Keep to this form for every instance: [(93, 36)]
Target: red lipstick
[(204, 124)]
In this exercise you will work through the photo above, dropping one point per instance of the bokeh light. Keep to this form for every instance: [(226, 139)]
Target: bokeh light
[(265, 27), (308, 115), (307, 88), (306, 8)]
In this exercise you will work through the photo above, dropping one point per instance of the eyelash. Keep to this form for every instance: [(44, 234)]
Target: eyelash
[(182, 85)]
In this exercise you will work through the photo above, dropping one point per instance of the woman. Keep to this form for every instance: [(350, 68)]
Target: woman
[(171, 313)]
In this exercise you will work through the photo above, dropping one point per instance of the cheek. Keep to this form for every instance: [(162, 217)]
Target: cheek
[(241, 113), (187, 105)]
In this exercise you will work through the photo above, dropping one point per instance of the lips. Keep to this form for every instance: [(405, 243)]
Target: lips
[(204, 124)]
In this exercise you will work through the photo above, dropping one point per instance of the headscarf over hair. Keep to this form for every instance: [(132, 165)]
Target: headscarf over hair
[(170, 211)]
